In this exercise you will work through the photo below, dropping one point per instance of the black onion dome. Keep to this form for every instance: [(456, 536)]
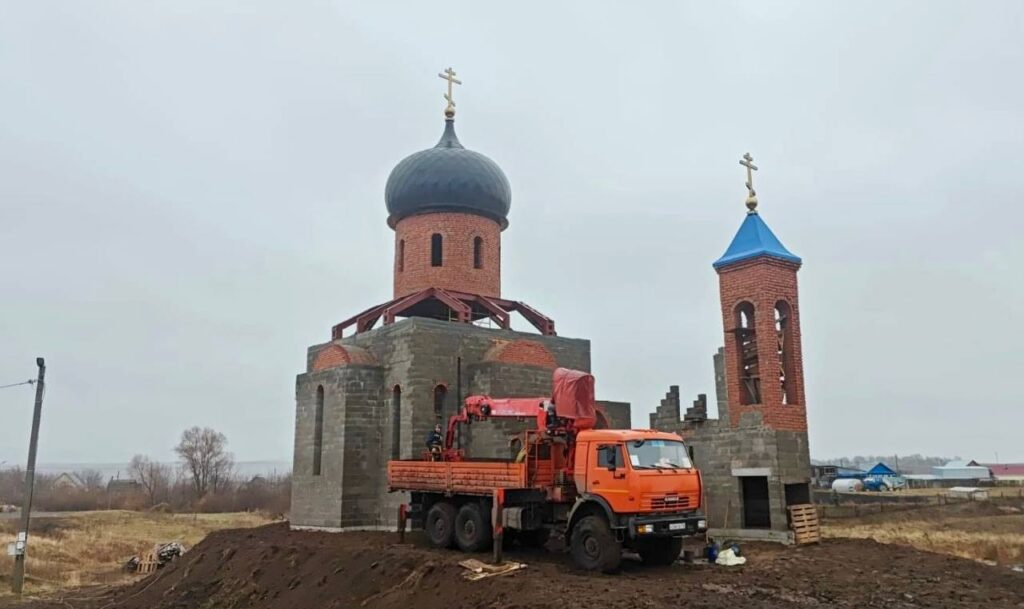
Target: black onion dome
[(448, 177)]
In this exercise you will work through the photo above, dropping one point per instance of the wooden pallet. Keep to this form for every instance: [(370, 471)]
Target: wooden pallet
[(803, 519), (148, 564)]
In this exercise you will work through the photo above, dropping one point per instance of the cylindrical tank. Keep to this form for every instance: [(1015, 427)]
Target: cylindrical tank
[(847, 485)]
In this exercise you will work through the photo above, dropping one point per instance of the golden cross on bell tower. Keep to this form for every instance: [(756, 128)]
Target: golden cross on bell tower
[(748, 162), (449, 75)]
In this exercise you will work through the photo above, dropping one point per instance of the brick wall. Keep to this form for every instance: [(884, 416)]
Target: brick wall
[(763, 282), (522, 351), (339, 355), (413, 269)]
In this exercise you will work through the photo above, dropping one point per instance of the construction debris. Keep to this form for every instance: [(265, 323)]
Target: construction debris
[(161, 555), (479, 570)]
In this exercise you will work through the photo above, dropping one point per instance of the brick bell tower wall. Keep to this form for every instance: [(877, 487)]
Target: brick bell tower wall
[(470, 248), (764, 283)]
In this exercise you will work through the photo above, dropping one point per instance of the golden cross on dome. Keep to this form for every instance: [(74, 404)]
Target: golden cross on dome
[(748, 162), (449, 75)]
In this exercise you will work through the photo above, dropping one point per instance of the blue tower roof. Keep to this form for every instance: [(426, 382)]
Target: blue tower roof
[(753, 239)]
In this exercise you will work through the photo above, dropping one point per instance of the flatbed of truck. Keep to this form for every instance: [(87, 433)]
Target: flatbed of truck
[(467, 477)]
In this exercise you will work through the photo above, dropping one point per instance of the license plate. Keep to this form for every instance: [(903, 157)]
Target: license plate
[(677, 526)]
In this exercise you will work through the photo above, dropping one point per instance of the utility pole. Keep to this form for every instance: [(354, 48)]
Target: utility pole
[(18, 580)]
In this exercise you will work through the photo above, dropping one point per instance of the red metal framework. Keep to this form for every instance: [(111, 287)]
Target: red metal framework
[(449, 305)]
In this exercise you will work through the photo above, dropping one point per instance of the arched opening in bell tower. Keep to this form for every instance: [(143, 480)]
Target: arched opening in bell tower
[(784, 337), (746, 349)]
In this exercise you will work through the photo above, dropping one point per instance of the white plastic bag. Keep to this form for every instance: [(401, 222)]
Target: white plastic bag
[(728, 558)]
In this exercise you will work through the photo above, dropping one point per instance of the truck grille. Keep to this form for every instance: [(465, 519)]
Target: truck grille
[(664, 503)]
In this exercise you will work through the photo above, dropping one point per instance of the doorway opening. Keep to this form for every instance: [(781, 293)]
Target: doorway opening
[(798, 494), (756, 507)]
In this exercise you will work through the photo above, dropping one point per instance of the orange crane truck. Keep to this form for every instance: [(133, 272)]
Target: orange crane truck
[(602, 489)]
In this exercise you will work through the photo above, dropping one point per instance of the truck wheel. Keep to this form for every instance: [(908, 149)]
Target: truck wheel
[(472, 529), (659, 552), (593, 545), (440, 524)]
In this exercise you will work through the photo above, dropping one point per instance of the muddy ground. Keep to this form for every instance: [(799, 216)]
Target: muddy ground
[(275, 568)]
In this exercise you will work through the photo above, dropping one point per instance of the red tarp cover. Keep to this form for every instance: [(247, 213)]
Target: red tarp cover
[(573, 395)]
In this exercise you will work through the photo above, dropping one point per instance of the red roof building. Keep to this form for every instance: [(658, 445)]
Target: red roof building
[(1006, 470)]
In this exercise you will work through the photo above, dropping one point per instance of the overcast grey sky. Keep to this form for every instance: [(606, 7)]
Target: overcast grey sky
[(191, 192)]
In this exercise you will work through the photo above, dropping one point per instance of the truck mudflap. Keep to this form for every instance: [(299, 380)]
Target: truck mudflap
[(666, 525)]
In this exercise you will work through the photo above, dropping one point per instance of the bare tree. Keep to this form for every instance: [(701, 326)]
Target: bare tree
[(91, 478), (204, 455), (154, 477)]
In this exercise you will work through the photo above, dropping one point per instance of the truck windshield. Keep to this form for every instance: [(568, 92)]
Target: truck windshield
[(658, 454)]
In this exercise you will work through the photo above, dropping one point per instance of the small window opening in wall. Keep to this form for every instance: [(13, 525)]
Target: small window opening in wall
[(396, 423), (401, 255), (798, 494), (440, 394), (436, 250), (478, 253), (746, 346), (318, 431)]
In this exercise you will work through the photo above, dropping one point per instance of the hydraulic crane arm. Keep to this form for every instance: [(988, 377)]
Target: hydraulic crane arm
[(570, 409), (481, 407)]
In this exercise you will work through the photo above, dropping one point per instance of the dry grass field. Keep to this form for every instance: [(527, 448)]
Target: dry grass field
[(84, 548), (978, 530)]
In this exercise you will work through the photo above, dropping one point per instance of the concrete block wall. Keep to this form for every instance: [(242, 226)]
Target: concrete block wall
[(666, 415), (490, 439), (721, 386), (415, 355), (723, 453), (619, 414), (319, 500), (365, 458)]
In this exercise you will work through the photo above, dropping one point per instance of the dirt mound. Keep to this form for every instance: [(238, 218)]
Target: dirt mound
[(274, 568)]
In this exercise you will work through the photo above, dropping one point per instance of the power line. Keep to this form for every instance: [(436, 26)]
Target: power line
[(28, 382)]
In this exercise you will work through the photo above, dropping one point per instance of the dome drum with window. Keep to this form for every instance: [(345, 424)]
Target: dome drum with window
[(448, 206)]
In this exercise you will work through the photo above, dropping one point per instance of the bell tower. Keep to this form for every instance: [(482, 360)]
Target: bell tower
[(757, 280)]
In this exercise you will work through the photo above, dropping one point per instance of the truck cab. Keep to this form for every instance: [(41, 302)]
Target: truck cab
[(642, 487)]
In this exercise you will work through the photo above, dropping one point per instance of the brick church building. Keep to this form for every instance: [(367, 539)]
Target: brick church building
[(390, 373)]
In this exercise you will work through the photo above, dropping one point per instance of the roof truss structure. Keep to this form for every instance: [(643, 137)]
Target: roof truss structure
[(437, 303)]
